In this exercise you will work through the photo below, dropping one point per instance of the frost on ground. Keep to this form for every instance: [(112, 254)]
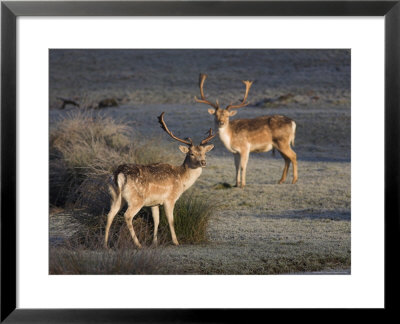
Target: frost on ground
[(264, 228)]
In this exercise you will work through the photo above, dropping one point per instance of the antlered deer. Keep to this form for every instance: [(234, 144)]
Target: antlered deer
[(156, 184), (261, 134)]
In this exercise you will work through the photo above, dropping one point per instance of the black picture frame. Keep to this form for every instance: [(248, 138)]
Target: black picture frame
[(11, 10)]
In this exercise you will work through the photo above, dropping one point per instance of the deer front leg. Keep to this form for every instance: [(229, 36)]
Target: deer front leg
[(155, 211), (237, 166), (169, 212), (244, 158)]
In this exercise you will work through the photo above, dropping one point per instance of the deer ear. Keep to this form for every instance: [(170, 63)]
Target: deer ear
[(211, 111), (209, 147), (184, 149), (233, 113)]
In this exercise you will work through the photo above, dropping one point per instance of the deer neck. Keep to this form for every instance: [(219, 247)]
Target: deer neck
[(189, 175), (225, 135)]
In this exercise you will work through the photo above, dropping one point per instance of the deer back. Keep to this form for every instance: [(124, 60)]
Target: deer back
[(261, 130)]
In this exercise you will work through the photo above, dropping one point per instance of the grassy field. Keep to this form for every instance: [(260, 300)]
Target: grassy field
[(264, 228)]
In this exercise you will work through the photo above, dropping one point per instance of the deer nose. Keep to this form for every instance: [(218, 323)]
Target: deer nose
[(203, 162)]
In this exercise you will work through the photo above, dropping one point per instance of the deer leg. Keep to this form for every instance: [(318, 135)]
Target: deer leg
[(155, 211), (291, 155), (129, 214), (115, 207), (169, 212), (244, 158), (237, 165), (285, 169)]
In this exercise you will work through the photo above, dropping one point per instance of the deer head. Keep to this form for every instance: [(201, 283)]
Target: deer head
[(222, 114), (195, 154)]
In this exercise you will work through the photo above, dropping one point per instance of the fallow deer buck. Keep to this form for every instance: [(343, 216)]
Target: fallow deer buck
[(261, 134), (156, 184)]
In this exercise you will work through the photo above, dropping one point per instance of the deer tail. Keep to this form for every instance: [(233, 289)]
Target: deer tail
[(293, 132)]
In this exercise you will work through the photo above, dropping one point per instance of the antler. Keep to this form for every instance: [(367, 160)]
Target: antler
[(164, 127), (209, 138), (202, 78), (243, 103)]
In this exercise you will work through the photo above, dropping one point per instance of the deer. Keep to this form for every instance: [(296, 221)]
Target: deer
[(156, 184), (245, 136)]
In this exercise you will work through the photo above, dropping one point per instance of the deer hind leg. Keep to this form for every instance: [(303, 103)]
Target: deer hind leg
[(155, 211), (291, 155), (285, 169), (244, 158), (116, 205), (169, 212), (237, 166), (129, 215)]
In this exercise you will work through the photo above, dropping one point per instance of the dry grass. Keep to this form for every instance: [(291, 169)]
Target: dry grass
[(80, 261), (85, 148)]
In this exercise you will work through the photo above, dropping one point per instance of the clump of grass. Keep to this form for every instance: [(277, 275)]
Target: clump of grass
[(191, 217), (85, 146)]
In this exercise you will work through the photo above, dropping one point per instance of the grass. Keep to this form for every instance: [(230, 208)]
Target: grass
[(85, 148), (81, 261)]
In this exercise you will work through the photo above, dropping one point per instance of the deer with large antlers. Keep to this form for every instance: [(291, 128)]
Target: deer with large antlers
[(156, 184), (261, 134)]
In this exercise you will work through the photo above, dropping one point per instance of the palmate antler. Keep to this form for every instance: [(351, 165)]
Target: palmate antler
[(189, 141), (164, 127), (243, 103)]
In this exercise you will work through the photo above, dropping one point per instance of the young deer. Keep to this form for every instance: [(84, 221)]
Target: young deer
[(261, 134), (156, 184)]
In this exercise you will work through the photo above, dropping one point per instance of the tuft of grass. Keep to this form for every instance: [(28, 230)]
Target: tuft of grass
[(86, 147), (191, 217)]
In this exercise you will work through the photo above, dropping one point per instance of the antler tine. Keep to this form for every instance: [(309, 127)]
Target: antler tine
[(202, 78), (164, 127), (243, 103), (209, 138)]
